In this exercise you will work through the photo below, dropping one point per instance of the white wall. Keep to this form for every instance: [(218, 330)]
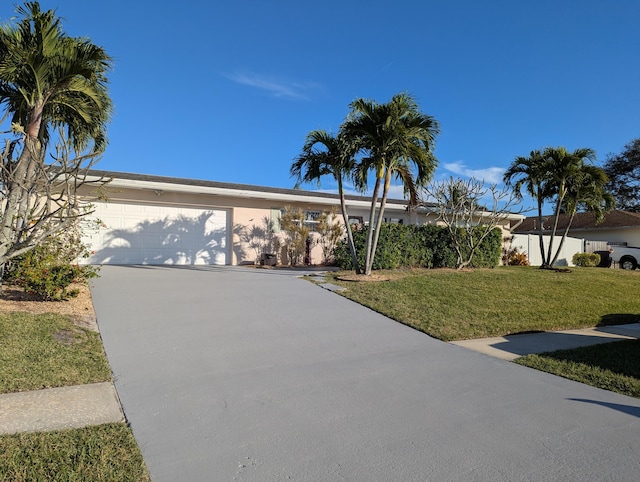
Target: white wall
[(530, 244), (631, 236)]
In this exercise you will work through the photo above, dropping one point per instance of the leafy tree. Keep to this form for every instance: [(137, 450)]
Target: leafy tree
[(330, 233), (623, 171), (324, 154), (391, 139), (54, 90), (566, 179), (459, 206), (295, 233)]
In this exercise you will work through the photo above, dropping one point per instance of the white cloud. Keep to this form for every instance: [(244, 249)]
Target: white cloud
[(276, 87), (489, 174)]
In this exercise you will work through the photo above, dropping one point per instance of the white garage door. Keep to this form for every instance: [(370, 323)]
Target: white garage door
[(133, 233)]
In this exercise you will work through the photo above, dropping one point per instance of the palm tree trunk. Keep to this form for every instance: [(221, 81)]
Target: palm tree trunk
[(541, 232), (376, 234), (561, 193), (345, 217), (564, 236), (374, 201)]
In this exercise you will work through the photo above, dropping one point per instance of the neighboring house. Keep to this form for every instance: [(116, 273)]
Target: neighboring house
[(165, 220), (617, 228)]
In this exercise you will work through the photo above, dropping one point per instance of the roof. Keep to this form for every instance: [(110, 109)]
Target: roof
[(582, 221), (146, 181)]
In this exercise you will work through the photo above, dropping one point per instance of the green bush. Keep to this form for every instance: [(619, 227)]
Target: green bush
[(50, 268), (411, 246), (586, 260)]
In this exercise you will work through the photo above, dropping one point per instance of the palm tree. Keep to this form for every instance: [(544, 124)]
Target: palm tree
[(565, 170), (325, 154), (531, 173), (393, 137), (566, 178), (586, 191), (48, 82)]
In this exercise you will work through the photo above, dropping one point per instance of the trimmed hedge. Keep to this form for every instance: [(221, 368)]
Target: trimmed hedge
[(586, 260), (411, 246)]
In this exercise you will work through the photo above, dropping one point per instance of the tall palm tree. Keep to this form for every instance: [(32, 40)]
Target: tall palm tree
[(394, 138), (48, 81), (585, 191), (566, 178), (531, 173), (325, 154), (565, 170)]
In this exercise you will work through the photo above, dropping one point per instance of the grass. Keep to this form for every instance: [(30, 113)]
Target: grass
[(457, 305), (101, 453), (611, 366), (44, 351)]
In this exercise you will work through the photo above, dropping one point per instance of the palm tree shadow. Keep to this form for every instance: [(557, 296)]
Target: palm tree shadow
[(172, 240), (628, 409)]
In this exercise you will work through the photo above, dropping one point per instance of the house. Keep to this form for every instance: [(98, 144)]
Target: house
[(617, 228), (165, 220)]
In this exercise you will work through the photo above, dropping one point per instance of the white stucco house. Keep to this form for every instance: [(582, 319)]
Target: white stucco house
[(620, 228), (165, 220)]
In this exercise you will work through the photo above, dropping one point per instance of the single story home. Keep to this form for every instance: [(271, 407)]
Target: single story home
[(619, 228), (159, 220)]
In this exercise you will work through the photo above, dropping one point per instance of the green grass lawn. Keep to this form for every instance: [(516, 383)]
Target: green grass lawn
[(457, 305), (43, 351), (613, 366), (101, 453)]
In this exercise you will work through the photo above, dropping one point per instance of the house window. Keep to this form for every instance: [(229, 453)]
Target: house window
[(356, 219), (311, 219), (274, 220), (393, 220)]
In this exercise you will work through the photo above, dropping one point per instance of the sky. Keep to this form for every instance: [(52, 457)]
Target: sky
[(227, 91)]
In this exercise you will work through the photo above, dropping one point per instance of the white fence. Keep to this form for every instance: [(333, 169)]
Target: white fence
[(530, 244)]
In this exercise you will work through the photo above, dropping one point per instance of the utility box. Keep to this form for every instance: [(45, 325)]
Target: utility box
[(268, 259)]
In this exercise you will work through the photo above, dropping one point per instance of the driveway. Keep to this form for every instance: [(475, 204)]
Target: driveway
[(230, 373)]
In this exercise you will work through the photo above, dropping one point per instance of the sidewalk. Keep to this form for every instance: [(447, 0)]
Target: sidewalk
[(94, 404), (59, 408), (511, 347)]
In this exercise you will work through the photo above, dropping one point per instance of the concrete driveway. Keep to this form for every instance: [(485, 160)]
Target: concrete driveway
[(242, 374)]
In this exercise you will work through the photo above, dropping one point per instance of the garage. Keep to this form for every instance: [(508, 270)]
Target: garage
[(157, 234)]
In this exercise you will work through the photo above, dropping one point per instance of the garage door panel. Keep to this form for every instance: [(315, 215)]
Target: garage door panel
[(158, 234)]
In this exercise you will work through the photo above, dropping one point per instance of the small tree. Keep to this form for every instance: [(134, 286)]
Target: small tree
[(295, 234), (53, 89), (459, 206), (330, 232)]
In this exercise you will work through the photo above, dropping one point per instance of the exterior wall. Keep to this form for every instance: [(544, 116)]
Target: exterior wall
[(631, 236), (530, 244), (248, 217), (249, 234)]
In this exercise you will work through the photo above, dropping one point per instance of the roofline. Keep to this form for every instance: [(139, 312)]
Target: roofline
[(198, 186), (431, 208)]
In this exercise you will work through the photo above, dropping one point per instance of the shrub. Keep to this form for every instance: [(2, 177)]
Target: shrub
[(411, 246), (50, 268), (586, 260), (513, 257)]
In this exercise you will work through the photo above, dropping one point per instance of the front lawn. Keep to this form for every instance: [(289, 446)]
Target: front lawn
[(611, 366), (104, 452), (48, 350), (458, 305)]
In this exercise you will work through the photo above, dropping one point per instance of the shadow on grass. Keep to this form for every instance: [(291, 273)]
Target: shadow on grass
[(619, 319)]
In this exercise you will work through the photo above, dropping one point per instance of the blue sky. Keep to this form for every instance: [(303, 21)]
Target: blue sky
[(227, 91)]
